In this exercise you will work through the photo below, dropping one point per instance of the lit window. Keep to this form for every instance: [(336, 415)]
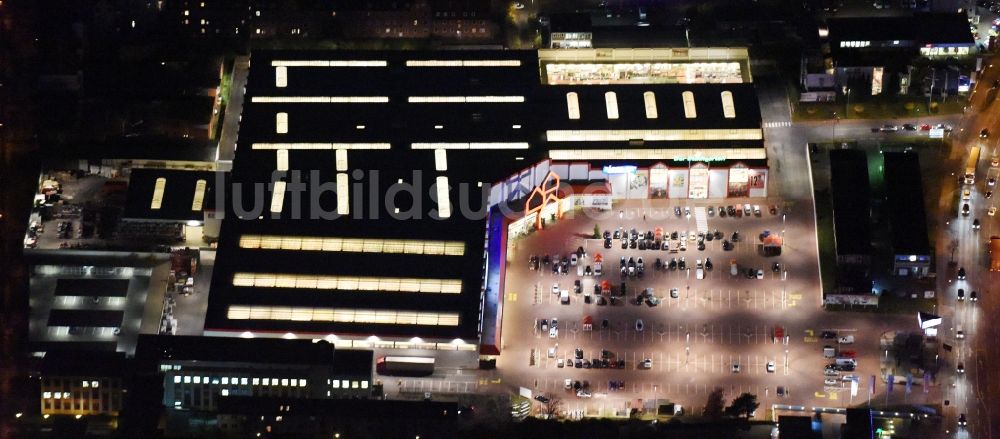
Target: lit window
[(364, 384), (463, 63), (649, 99), (278, 197), (177, 379), (342, 160), (463, 99), (197, 380), (199, 195), (86, 384), (345, 384), (728, 108), (652, 135), (94, 384), (474, 145), (318, 63), (281, 123), (319, 99), (440, 160), (343, 195), (46, 395), (157, 201), (281, 76), (282, 159), (243, 381), (57, 395), (284, 382), (336, 384), (187, 379), (573, 105), (267, 381), (611, 103), (348, 283), (187, 12), (225, 392), (689, 108), (443, 202), (302, 383), (225, 380), (256, 381), (679, 154), (342, 315), (321, 146), (354, 384)]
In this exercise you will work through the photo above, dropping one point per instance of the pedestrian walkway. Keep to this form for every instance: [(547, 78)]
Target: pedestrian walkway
[(777, 124), (701, 219)]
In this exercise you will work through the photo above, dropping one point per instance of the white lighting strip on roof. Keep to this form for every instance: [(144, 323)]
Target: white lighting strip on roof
[(199, 195), (463, 99), (281, 123), (611, 102), (294, 146), (320, 63), (464, 63), (474, 145), (348, 283), (280, 77), (319, 99), (161, 183), (352, 245), (728, 109), (573, 105), (650, 100), (443, 202), (341, 315), (343, 197), (282, 159), (342, 160), (652, 135), (700, 154), (690, 111), (440, 159), (278, 197)]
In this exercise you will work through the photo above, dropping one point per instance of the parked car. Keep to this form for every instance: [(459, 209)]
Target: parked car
[(770, 367), (984, 133)]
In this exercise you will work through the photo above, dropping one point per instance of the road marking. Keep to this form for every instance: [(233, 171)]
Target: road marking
[(810, 339)]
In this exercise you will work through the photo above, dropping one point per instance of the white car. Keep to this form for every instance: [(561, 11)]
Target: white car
[(646, 364), (699, 273), (847, 339), (760, 274), (992, 211), (583, 393), (830, 382), (995, 161), (555, 288), (552, 350), (674, 293), (849, 378), (560, 363), (573, 260), (553, 332), (568, 384), (747, 210), (770, 367)]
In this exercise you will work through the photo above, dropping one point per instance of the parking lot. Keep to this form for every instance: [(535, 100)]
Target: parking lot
[(744, 332)]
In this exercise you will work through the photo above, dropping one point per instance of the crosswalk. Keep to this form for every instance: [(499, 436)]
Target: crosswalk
[(777, 124), (701, 218)]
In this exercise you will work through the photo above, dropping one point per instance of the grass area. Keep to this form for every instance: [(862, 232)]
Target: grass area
[(883, 108), (824, 235)]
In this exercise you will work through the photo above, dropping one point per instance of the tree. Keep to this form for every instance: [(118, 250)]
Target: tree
[(597, 231), (744, 405), (715, 404), (553, 407)]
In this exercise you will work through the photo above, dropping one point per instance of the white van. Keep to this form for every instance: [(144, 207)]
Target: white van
[(733, 268), (564, 297), (846, 362), (847, 339)]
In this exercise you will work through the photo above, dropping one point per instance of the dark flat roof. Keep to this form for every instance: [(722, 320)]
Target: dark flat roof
[(92, 287), (178, 194), (929, 28), (154, 348), (353, 362), (82, 363), (570, 22), (86, 318), (905, 199), (851, 195)]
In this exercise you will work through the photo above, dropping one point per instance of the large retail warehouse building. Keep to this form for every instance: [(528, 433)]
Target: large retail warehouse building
[(384, 181)]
